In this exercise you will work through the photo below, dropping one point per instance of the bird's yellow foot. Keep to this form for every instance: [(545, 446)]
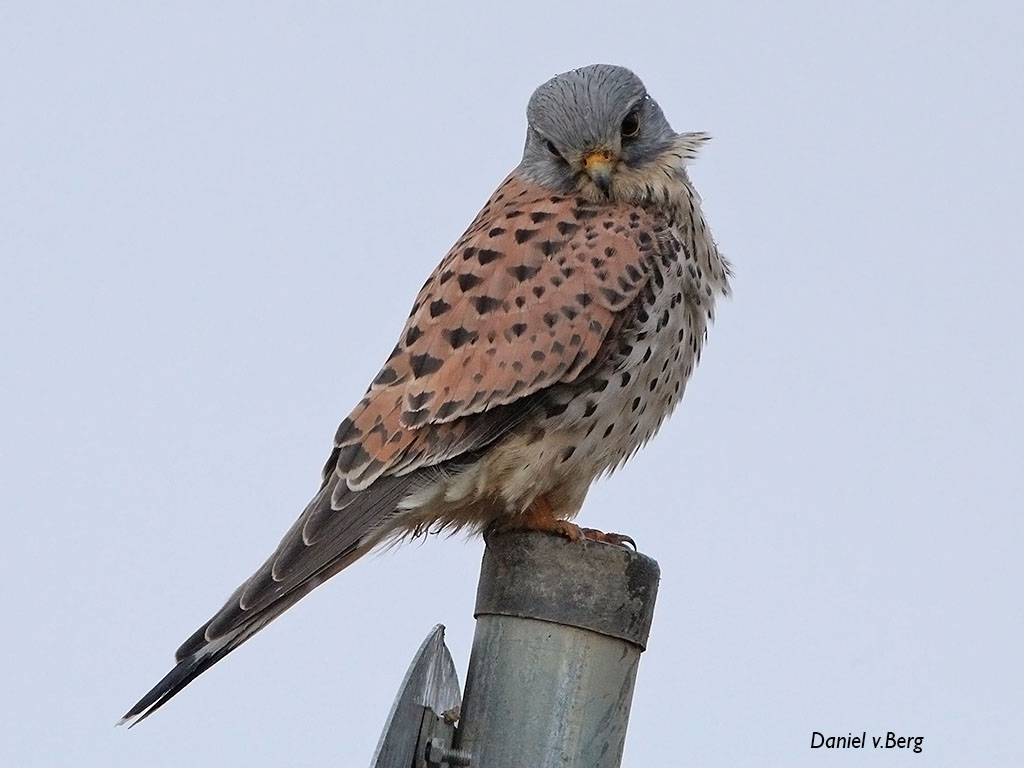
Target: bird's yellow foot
[(618, 539), (541, 517)]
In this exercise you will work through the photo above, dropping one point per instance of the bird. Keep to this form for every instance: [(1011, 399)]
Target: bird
[(545, 349)]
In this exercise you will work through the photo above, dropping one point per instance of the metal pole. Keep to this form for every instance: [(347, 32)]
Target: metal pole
[(560, 629)]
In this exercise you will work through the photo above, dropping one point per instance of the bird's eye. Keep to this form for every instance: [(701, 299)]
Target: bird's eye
[(553, 149), (631, 125)]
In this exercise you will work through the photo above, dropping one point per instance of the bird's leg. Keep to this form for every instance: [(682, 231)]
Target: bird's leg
[(540, 516)]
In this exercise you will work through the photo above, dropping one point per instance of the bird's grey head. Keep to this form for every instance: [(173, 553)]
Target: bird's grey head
[(594, 131)]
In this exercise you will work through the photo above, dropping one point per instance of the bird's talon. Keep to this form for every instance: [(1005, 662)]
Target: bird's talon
[(618, 539)]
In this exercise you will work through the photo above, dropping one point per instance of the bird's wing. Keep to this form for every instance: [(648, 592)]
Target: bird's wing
[(525, 300)]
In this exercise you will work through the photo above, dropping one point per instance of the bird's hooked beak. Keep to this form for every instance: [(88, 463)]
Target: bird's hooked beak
[(599, 166)]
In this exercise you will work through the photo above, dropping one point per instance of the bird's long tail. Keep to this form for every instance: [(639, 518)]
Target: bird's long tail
[(337, 528)]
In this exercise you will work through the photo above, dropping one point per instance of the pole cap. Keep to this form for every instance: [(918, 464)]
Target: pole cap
[(605, 588)]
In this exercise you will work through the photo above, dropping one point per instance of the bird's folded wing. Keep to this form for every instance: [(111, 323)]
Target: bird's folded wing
[(523, 301)]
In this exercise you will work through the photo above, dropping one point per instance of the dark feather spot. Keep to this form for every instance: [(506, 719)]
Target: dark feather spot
[(549, 247), (496, 232), (614, 297), (386, 376), (467, 281), (457, 337), (590, 410), (439, 307), (449, 408), (538, 290), (486, 304), (522, 235), (567, 228), (608, 431), (424, 365), (626, 377), (347, 431), (415, 402), (538, 216), (568, 452), (446, 276), (415, 418), (584, 299), (550, 319), (519, 329), (523, 272), (412, 335), (352, 456), (486, 256)]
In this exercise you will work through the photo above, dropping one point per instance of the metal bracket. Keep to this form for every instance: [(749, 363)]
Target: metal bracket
[(423, 716)]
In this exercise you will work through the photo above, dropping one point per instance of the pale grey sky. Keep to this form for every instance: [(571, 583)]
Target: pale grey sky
[(215, 220)]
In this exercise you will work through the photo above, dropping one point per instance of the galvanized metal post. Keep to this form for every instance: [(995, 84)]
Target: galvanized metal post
[(560, 629)]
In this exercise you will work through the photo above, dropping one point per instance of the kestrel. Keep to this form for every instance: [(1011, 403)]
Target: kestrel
[(550, 343)]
